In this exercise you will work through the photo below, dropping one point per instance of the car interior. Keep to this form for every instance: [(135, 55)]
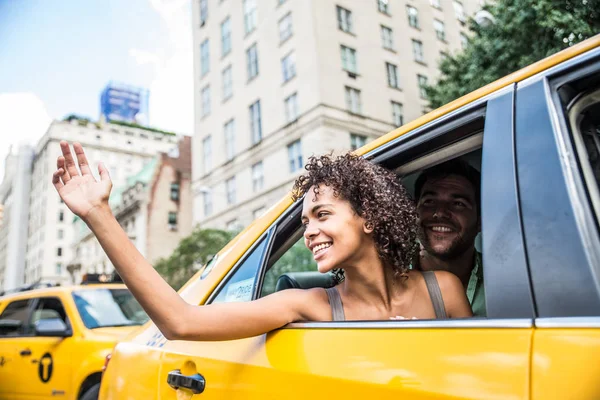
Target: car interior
[(283, 272)]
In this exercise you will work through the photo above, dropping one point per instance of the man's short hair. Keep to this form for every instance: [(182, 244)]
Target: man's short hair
[(452, 167)]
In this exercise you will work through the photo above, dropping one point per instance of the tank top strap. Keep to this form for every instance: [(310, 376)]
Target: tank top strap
[(335, 301), (435, 294)]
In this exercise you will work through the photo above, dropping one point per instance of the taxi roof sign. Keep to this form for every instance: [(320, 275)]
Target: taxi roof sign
[(100, 278)]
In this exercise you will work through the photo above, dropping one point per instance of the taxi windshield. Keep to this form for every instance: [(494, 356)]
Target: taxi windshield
[(100, 308)]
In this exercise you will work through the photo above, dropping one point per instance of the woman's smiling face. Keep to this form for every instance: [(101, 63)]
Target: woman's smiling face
[(333, 232)]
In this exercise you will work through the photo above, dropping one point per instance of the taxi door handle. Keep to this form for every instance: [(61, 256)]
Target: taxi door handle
[(194, 383), (25, 352)]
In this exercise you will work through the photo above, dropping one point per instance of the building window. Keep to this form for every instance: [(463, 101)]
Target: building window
[(207, 200), (61, 216), (288, 66), (422, 80), (357, 141), (344, 19), (172, 218), (413, 16), (383, 6), (230, 189), (464, 40), (59, 251), (291, 108), (58, 268), (204, 58), (232, 226), (226, 37), (349, 59), (203, 12), (353, 103), (252, 61), (175, 191), (257, 176), (229, 129), (249, 15), (227, 83), (435, 3), (440, 31), (397, 113), (285, 28), (392, 75), (295, 155), (459, 11), (387, 38), (255, 122), (207, 153), (418, 50), (60, 234), (205, 95)]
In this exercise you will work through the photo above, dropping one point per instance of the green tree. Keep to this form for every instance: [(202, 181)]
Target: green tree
[(523, 32), (193, 250)]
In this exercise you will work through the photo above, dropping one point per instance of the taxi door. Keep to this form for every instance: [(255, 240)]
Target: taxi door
[(13, 342), (470, 358), (558, 136), (48, 368)]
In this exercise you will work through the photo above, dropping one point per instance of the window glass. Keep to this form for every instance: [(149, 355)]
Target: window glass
[(255, 122), (392, 75), (100, 308), (250, 18), (230, 189), (288, 66), (349, 59), (227, 83), (295, 156), (440, 30), (226, 37), (291, 108), (344, 19), (240, 286), (14, 317), (585, 125), (229, 130), (257, 176), (207, 153), (418, 50), (205, 95), (353, 102), (383, 6), (204, 59), (252, 61), (285, 28), (357, 141), (297, 258), (387, 38), (422, 81), (413, 16), (48, 308), (207, 200), (397, 113)]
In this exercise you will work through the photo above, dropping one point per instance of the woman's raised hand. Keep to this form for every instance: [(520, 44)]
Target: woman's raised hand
[(79, 190)]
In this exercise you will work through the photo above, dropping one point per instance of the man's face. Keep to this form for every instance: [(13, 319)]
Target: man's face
[(448, 221)]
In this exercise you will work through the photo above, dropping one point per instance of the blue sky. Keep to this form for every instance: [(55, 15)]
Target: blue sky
[(56, 57)]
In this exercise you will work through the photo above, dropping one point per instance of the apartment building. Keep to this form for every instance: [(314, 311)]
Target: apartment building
[(123, 149), (14, 211), (154, 207), (277, 81)]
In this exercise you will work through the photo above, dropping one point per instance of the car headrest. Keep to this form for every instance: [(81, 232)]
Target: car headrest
[(304, 280)]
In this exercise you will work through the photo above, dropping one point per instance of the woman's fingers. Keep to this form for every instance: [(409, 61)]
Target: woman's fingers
[(70, 166), (56, 179), (60, 165), (104, 176), (84, 167)]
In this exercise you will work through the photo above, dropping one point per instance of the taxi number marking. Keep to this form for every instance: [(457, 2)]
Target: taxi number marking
[(45, 367)]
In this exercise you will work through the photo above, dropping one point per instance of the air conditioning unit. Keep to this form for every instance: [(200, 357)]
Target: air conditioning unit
[(172, 227)]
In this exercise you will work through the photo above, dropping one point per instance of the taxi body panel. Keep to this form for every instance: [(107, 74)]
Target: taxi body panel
[(497, 357), (55, 367)]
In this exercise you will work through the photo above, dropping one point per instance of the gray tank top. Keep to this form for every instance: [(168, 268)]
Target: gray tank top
[(337, 308)]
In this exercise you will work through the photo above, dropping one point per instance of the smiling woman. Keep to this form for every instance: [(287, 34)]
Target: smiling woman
[(357, 218)]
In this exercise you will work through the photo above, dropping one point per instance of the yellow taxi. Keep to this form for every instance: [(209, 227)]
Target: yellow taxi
[(535, 137), (54, 341)]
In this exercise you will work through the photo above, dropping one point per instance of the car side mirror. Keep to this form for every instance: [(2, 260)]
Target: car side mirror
[(53, 327)]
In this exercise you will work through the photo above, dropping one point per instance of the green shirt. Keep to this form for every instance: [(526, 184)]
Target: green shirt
[(475, 290)]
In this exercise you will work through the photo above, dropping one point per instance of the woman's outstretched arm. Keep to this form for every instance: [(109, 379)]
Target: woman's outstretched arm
[(175, 318)]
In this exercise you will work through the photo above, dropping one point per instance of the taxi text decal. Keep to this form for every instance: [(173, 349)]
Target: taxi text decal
[(45, 367)]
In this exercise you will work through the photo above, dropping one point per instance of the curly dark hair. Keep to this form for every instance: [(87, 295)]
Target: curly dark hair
[(376, 195)]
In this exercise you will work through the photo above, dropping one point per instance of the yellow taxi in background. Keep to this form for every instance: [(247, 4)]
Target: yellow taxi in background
[(535, 137), (54, 341)]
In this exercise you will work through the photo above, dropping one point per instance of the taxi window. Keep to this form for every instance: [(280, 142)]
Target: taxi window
[(240, 286), (13, 318), (48, 308), (100, 308)]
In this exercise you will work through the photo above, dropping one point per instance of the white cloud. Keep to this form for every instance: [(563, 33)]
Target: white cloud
[(171, 91), (23, 120)]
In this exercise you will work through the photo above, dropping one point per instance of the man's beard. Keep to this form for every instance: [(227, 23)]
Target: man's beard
[(459, 245)]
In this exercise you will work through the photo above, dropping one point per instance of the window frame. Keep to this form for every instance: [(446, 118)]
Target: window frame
[(204, 57), (255, 113), (289, 32), (413, 16), (291, 100), (288, 66), (226, 45), (348, 54), (252, 67), (227, 84), (21, 333), (389, 32), (342, 12), (393, 78)]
